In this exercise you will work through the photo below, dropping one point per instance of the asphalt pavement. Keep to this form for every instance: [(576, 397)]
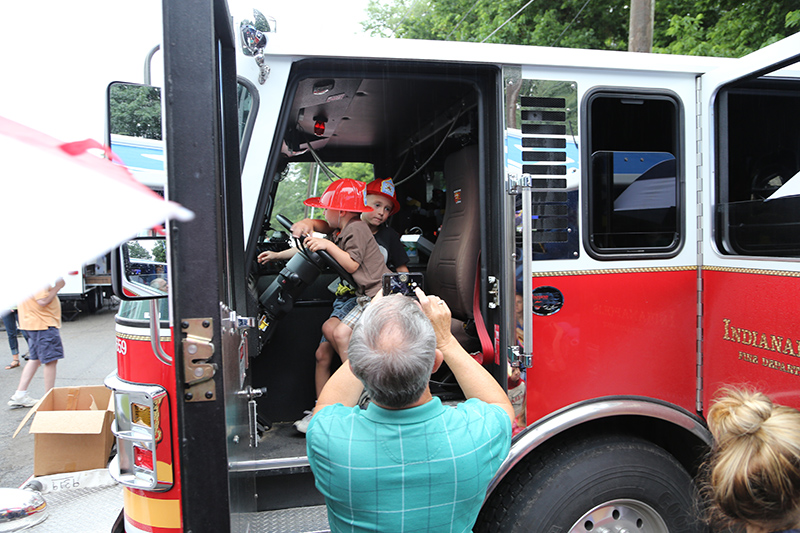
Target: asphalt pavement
[(89, 356)]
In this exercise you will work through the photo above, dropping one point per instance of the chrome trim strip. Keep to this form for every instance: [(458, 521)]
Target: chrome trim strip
[(268, 464)]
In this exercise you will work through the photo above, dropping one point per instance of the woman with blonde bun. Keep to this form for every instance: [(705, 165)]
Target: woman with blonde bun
[(753, 471)]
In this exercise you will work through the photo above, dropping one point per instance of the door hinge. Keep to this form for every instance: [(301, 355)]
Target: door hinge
[(494, 292), (515, 183), (516, 355), (198, 373)]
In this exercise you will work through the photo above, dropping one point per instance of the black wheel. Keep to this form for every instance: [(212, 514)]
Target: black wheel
[(610, 483), (95, 299)]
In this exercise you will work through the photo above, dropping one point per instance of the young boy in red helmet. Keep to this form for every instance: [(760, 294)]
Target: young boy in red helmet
[(353, 246), (383, 201), (381, 198)]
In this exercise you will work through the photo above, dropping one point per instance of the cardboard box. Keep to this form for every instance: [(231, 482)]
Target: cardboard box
[(72, 430)]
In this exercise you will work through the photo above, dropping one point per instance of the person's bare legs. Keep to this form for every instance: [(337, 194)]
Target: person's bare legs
[(329, 330), (341, 337), (324, 354), (27, 374), (50, 375), (322, 371)]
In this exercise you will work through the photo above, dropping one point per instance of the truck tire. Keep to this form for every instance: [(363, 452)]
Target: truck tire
[(609, 483)]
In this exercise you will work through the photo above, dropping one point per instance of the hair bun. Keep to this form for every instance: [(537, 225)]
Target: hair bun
[(740, 413)]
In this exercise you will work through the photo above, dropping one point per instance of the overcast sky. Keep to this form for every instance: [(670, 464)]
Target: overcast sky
[(58, 56)]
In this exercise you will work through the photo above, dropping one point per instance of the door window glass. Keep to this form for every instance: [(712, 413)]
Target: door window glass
[(634, 175), (758, 160)]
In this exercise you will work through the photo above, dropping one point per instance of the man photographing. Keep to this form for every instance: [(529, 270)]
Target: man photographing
[(406, 463)]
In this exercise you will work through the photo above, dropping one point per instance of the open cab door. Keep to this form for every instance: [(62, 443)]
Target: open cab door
[(750, 239), (215, 402)]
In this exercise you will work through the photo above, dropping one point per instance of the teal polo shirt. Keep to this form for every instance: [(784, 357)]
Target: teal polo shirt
[(426, 468)]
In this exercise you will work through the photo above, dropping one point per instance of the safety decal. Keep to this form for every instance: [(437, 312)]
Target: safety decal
[(497, 343), (387, 187), (457, 196)]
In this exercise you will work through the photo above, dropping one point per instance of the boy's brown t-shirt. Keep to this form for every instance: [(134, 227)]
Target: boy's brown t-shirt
[(357, 240)]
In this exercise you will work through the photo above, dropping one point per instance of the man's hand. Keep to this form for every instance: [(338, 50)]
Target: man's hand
[(440, 316)]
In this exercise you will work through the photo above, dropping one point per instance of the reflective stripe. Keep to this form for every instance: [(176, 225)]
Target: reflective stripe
[(134, 527), (157, 513), (130, 527)]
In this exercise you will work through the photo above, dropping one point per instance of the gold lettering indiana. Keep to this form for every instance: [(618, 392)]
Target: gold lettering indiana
[(765, 341)]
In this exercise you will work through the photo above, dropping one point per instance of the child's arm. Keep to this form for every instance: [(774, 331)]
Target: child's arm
[(51, 293), (266, 257), (341, 257), (307, 226)]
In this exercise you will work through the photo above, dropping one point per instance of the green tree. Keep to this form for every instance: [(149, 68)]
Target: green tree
[(135, 110), (160, 251), (137, 251), (728, 28), (708, 27)]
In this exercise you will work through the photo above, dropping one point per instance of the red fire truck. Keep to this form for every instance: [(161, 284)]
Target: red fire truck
[(642, 205)]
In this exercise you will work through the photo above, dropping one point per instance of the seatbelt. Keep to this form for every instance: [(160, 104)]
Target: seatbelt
[(487, 352)]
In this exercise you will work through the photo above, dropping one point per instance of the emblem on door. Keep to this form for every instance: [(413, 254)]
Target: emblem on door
[(547, 300)]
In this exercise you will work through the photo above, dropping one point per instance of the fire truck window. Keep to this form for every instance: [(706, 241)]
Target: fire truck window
[(633, 176), (247, 105), (303, 180), (758, 207), (139, 310)]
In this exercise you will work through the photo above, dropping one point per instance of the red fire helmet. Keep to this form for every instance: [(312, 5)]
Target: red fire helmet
[(385, 187), (342, 195)]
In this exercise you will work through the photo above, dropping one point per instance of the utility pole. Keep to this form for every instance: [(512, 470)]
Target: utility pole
[(641, 26)]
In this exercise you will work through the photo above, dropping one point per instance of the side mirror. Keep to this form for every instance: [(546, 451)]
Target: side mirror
[(134, 131), (139, 269)]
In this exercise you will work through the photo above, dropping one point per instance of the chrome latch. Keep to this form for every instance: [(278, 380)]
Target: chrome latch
[(250, 393), (252, 411)]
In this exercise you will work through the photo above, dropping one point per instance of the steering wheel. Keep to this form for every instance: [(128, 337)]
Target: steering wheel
[(286, 223), (321, 258)]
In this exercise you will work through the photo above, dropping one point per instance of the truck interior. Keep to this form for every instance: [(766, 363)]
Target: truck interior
[(424, 127)]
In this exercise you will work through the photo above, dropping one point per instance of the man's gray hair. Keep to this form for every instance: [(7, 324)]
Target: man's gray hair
[(392, 351)]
